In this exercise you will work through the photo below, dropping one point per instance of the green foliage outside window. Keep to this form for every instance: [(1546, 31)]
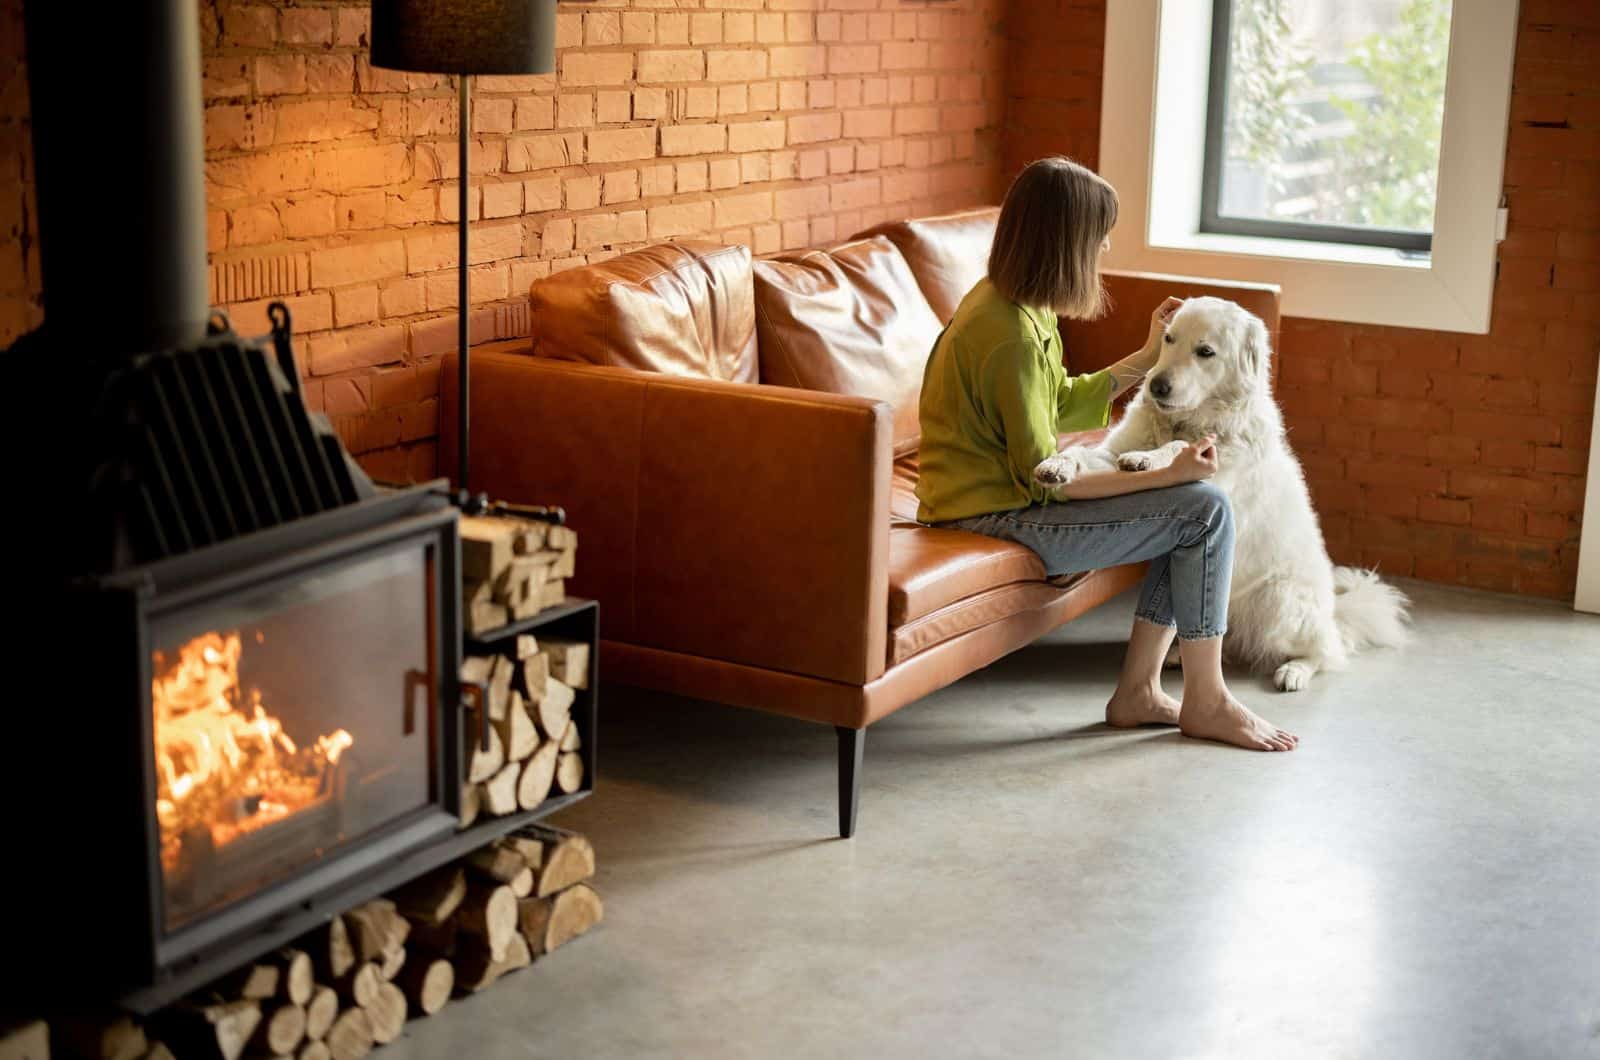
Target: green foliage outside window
[(1382, 172), (1395, 144)]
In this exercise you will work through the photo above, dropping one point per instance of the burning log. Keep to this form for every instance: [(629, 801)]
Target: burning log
[(427, 983), (226, 768)]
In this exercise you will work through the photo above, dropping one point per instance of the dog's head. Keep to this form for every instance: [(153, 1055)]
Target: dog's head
[(1214, 353)]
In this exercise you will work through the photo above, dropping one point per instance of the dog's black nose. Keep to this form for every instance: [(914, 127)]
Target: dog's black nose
[(1159, 386)]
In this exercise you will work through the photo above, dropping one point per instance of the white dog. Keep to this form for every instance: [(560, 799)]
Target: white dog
[(1291, 609)]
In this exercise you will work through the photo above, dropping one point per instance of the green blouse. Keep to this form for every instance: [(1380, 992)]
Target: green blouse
[(994, 399)]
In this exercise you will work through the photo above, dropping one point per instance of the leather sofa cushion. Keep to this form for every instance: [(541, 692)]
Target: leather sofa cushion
[(676, 308), (932, 568), (981, 609), (849, 320), (948, 254)]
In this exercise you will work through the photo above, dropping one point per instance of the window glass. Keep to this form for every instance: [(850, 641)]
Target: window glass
[(1332, 115)]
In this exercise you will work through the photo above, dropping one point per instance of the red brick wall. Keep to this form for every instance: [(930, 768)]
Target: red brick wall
[(331, 184), (1456, 458)]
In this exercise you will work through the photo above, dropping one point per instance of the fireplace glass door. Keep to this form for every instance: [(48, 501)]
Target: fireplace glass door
[(290, 721)]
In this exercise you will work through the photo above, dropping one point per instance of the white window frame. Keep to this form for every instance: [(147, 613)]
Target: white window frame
[(1589, 544), (1152, 149)]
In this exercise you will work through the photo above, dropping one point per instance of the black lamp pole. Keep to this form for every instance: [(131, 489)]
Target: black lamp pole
[(463, 284), (464, 37)]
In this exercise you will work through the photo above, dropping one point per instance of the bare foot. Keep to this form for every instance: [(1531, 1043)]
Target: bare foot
[(1226, 720), (1146, 706)]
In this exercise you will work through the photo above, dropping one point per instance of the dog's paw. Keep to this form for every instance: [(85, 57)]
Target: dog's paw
[(1057, 470), (1136, 461), (1294, 676)]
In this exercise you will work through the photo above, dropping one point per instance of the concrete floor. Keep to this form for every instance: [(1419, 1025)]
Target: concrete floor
[(1421, 879)]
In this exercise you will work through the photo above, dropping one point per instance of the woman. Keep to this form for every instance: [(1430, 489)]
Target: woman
[(995, 397)]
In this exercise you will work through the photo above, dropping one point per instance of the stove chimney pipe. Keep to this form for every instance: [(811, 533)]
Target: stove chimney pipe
[(119, 161)]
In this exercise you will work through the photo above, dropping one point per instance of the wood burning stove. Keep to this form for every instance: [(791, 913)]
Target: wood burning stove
[(233, 659), (296, 729)]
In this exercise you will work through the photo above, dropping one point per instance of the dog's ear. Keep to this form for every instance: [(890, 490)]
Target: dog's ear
[(1256, 346)]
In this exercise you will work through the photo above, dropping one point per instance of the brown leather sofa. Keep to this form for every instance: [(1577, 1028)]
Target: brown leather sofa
[(736, 442)]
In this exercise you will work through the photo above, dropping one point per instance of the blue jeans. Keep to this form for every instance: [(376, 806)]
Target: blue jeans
[(1186, 532)]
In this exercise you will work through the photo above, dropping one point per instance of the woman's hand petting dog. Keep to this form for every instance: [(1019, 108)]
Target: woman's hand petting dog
[(1158, 323)]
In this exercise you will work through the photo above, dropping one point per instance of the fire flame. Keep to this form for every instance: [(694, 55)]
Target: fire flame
[(224, 764)]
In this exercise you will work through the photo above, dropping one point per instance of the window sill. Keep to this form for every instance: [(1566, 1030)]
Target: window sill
[(1296, 249)]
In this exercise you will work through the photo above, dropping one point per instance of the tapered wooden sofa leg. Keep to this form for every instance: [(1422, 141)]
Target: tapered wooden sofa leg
[(851, 744)]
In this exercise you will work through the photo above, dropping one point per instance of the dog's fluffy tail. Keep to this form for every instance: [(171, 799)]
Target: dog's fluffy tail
[(1369, 612)]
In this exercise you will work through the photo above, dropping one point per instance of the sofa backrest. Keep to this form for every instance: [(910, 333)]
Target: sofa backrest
[(848, 320), (676, 308), (948, 254), (1093, 344)]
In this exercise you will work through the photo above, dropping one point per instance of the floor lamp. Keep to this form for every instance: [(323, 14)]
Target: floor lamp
[(464, 37)]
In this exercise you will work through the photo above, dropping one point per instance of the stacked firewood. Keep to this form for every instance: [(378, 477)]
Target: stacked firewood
[(512, 569), (350, 985), (533, 745), (508, 904)]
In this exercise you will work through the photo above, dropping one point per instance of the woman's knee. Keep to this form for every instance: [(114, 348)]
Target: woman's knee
[(1208, 504)]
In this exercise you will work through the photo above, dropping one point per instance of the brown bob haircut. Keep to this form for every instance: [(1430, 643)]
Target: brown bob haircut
[(1046, 250)]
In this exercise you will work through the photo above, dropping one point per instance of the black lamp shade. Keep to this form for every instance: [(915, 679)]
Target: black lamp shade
[(465, 36)]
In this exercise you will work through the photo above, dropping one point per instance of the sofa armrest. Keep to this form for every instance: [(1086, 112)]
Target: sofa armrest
[(1094, 344), (728, 520)]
